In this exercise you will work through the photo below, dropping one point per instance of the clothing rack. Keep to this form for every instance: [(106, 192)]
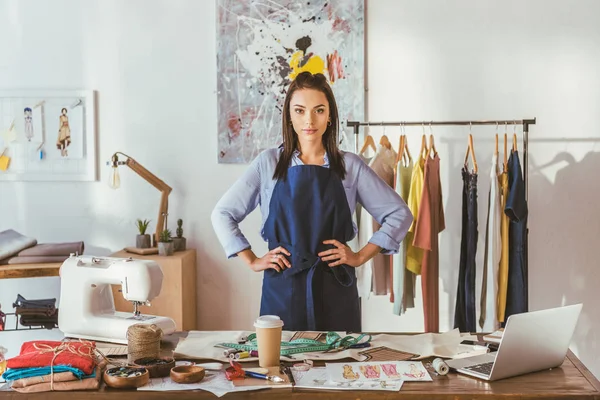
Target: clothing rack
[(525, 122)]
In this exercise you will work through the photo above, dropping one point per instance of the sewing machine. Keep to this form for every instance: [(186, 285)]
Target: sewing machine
[(87, 308)]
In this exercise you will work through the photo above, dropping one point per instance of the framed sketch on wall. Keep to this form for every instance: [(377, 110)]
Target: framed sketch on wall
[(263, 46), (47, 135)]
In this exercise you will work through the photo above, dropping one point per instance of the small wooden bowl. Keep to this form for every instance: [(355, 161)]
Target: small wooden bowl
[(120, 382), (187, 374), (156, 370)]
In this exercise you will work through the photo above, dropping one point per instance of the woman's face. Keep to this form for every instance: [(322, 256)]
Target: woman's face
[(309, 113)]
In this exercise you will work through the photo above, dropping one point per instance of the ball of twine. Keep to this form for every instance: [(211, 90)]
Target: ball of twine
[(143, 341)]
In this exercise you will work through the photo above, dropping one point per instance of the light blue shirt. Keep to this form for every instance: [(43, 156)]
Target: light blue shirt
[(362, 185)]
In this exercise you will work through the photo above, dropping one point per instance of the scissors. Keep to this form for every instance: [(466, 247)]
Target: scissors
[(236, 372)]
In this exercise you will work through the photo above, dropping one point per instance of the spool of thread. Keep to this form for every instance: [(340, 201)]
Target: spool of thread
[(143, 341), (440, 366), (253, 353), (229, 352), (241, 354)]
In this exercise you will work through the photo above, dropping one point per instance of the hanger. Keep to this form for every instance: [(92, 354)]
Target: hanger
[(405, 151), (368, 142), (400, 152), (423, 152), (384, 141), (496, 148), (431, 143), (505, 163), (515, 138), (471, 151)]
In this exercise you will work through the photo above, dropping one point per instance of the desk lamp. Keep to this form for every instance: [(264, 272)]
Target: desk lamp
[(115, 182)]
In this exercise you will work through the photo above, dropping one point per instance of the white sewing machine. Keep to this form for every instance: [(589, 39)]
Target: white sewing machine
[(87, 308)]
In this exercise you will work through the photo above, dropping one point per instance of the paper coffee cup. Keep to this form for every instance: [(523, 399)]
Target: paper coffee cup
[(268, 335)]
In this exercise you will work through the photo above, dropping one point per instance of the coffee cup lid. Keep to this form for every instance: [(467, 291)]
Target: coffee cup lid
[(268, 321)]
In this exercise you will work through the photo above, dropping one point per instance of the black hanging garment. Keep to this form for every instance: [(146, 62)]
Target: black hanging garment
[(516, 210), (464, 313)]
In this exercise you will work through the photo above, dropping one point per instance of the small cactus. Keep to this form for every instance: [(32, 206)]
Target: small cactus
[(142, 225), (179, 229), (165, 236)]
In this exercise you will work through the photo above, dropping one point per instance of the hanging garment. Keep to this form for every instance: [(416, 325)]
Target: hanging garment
[(383, 165), (464, 312), (399, 272), (488, 319), (308, 207), (364, 274), (503, 268), (516, 210), (414, 255), (430, 223)]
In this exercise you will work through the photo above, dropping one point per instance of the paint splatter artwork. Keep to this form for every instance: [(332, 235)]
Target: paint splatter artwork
[(262, 46)]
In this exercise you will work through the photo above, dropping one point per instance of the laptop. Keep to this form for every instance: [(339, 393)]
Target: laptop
[(532, 341)]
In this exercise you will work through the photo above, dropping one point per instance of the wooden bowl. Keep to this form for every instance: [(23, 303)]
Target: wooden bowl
[(156, 368), (123, 382), (187, 374)]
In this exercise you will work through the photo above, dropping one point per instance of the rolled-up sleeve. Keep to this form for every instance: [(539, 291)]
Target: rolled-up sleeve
[(386, 206), (239, 201)]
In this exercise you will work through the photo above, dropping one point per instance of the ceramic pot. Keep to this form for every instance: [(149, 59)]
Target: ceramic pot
[(142, 241), (165, 248), (179, 243)]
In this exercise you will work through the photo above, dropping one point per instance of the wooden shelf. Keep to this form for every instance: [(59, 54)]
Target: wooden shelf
[(29, 270)]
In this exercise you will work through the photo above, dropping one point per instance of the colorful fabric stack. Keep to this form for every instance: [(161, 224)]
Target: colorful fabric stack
[(44, 365)]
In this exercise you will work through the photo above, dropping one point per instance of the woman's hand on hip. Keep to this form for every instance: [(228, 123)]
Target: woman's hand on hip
[(341, 254), (274, 259)]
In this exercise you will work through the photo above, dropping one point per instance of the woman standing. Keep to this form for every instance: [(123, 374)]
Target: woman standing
[(307, 190)]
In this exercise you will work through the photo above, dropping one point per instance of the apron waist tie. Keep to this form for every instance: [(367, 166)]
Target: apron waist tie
[(302, 261)]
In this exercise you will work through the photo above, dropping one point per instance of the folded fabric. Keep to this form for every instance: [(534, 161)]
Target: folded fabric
[(58, 377), (48, 312), (12, 242), (35, 259), (40, 353), (14, 374), (33, 321), (91, 383), (53, 249), (37, 303)]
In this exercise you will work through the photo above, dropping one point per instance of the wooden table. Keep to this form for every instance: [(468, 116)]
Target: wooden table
[(572, 380), (29, 270)]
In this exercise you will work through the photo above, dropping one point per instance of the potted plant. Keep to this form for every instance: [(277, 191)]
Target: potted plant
[(142, 241), (165, 243), (179, 241)]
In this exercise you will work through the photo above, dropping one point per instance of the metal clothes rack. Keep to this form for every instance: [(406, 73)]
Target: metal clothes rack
[(524, 122)]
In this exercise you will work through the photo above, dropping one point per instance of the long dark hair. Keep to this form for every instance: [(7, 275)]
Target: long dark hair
[(306, 80)]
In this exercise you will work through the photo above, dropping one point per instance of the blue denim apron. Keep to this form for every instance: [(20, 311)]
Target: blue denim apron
[(310, 206)]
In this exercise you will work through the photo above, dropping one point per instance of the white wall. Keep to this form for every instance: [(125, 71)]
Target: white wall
[(153, 65)]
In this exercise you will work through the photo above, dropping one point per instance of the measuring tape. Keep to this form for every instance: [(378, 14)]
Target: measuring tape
[(297, 346)]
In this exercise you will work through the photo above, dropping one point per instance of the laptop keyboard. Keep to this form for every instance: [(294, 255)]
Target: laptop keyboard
[(485, 368)]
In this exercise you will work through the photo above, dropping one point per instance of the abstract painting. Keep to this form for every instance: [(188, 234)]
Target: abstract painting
[(262, 46)]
